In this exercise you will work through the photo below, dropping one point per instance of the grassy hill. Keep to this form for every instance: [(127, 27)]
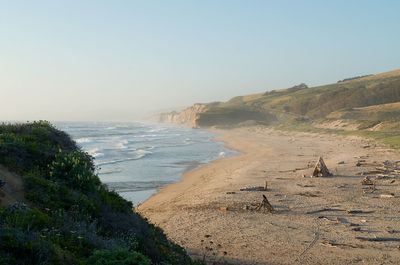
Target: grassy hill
[(304, 103), (63, 214), (363, 105)]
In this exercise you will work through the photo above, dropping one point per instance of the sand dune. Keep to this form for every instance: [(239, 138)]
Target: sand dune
[(206, 212)]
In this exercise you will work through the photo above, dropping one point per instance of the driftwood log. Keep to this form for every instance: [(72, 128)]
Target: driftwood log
[(265, 205), (379, 239)]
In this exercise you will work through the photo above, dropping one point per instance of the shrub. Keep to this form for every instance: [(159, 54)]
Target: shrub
[(24, 219), (74, 170), (72, 218), (118, 257)]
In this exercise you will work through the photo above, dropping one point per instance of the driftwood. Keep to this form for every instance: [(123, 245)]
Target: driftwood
[(335, 245), (387, 196), (256, 188), (265, 205), (367, 181), (308, 194), (378, 239), (253, 188), (325, 210), (321, 170), (359, 211), (293, 170)]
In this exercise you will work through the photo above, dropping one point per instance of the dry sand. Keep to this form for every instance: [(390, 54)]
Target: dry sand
[(201, 213)]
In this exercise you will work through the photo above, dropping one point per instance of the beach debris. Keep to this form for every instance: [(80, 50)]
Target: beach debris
[(230, 192), (387, 195), (321, 170), (378, 239), (294, 169), (308, 194), (253, 188), (326, 210), (340, 162), (368, 185), (305, 186), (265, 205), (224, 208), (367, 181), (335, 245), (358, 211)]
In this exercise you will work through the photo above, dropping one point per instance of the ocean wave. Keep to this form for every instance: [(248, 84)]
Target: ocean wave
[(95, 152), (109, 172), (83, 140), (157, 130), (122, 144), (117, 161), (129, 186)]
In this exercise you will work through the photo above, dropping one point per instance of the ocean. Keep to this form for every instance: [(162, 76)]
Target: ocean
[(136, 159)]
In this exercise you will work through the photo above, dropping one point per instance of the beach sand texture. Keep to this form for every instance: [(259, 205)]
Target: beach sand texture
[(206, 211)]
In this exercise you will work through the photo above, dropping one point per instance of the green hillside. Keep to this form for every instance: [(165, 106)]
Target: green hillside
[(308, 104), (64, 214)]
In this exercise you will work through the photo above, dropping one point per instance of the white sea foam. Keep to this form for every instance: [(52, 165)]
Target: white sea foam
[(117, 161), (138, 154), (122, 144), (109, 172), (95, 152), (83, 140)]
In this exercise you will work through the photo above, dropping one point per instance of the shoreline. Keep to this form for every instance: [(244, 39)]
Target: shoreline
[(206, 205), (195, 165)]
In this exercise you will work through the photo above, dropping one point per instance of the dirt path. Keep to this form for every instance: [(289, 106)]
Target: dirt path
[(206, 211)]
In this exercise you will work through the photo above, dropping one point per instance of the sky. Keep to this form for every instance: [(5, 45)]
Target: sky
[(121, 60)]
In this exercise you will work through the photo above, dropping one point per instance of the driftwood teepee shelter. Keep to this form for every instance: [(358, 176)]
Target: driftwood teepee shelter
[(321, 170)]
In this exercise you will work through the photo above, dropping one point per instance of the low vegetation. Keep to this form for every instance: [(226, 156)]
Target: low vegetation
[(69, 216), (363, 105)]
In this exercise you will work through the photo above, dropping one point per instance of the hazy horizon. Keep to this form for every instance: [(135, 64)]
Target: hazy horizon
[(122, 60)]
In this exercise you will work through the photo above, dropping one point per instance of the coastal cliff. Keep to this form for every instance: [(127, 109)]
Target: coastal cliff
[(367, 103), (187, 117)]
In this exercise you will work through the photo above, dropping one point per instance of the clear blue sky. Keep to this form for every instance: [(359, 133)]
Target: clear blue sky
[(116, 60)]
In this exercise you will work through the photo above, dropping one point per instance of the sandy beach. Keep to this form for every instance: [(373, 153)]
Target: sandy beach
[(317, 220)]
